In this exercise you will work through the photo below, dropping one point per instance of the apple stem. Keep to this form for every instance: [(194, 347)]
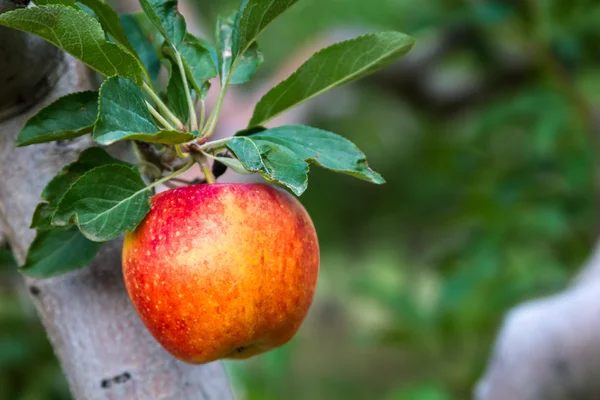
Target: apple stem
[(201, 159), (210, 178)]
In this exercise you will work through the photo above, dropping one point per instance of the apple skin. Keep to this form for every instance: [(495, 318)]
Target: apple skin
[(223, 270)]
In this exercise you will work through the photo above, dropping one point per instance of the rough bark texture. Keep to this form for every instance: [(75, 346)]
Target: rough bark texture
[(105, 351), (23, 87), (549, 349)]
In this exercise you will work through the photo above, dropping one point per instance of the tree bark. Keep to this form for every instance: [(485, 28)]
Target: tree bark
[(23, 87), (104, 349), (549, 349)]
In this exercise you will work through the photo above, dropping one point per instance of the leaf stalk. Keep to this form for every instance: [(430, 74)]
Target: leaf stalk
[(201, 159), (159, 117), (163, 108), (188, 95)]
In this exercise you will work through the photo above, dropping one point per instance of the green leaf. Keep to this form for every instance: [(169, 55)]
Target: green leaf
[(58, 251), (114, 27), (123, 115), (251, 130), (42, 217), (166, 18), (162, 137), (88, 159), (274, 162), (68, 117), (109, 20), (198, 60), (155, 38), (58, 186), (105, 202), (263, 152), (78, 34), (331, 67), (224, 36), (176, 93), (247, 65), (253, 17), (323, 148), (69, 3), (101, 11), (7, 258), (88, 11), (141, 45)]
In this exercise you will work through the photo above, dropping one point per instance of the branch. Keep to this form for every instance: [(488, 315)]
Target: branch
[(3, 239), (24, 87), (549, 349), (104, 349)]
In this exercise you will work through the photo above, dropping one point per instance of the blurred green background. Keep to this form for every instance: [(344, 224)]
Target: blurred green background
[(485, 138)]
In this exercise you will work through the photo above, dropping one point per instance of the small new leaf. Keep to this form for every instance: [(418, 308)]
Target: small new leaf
[(58, 251), (247, 65), (78, 34), (105, 202), (253, 17), (67, 118), (331, 67), (224, 36), (199, 60), (235, 70), (176, 93), (166, 18), (282, 154), (123, 115)]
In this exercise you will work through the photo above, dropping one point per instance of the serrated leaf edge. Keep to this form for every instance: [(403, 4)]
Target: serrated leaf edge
[(24, 268), (26, 143), (268, 178), (139, 80), (158, 130), (73, 217), (238, 20), (362, 161), (330, 87)]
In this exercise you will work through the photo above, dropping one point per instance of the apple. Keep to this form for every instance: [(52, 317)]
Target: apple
[(222, 270)]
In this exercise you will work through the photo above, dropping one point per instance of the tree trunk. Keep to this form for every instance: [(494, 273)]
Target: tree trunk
[(549, 349), (104, 349)]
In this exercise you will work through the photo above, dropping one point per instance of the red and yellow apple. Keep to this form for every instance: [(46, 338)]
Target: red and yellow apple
[(223, 270)]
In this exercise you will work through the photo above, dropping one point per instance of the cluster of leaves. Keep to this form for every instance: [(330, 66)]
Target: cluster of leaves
[(98, 197)]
